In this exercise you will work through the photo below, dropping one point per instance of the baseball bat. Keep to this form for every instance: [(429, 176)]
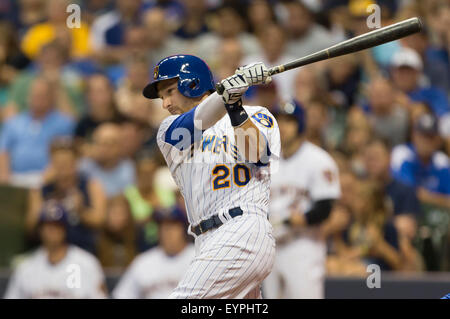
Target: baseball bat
[(364, 41)]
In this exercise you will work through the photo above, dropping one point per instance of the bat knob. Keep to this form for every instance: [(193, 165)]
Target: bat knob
[(219, 88)]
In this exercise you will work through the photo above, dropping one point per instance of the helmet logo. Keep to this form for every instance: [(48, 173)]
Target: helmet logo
[(155, 72)]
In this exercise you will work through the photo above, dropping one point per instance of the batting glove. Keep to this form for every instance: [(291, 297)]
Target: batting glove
[(234, 87), (255, 73)]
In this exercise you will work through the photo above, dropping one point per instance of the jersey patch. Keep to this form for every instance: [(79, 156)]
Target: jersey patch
[(328, 174), (263, 119)]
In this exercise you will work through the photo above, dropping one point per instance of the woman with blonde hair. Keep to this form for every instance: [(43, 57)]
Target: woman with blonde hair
[(370, 239)]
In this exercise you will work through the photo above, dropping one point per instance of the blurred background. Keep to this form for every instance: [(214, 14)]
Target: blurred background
[(77, 132)]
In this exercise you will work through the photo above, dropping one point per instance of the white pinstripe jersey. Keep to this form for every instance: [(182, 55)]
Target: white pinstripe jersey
[(208, 170)]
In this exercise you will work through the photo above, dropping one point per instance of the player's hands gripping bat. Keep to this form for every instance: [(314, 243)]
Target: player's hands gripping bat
[(233, 88), (361, 42), (255, 73)]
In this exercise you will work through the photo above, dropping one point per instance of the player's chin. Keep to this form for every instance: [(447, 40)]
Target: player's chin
[(175, 111)]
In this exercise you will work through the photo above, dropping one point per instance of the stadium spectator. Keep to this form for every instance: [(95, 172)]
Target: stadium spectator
[(173, 10), (168, 261), (432, 64), (106, 163), (406, 72), (388, 119), (230, 57), (337, 15), (438, 18), (402, 197), (305, 36), (46, 272), (82, 198), (193, 22), (10, 62), (30, 12), (260, 13), (108, 30), (101, 108), (309, 86), (135, 44), (357, 135), (226, 22), (161, 41), (95, 8), (55, 28), (129, 92), (26, 138), (11, 56), (137, 137), (273, 41), (339, 218), (342, 78), (421, 164), (146, 197), (316, 123), (370, 238), (66, 81), (117, 242)]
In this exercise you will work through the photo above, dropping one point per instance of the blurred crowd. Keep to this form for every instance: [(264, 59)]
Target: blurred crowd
[(77, 132)]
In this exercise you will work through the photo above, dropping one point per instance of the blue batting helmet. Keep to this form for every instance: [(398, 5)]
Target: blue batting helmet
[(194, 76), (295, 110)]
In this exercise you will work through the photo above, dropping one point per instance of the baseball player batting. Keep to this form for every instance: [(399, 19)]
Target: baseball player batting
[(218, 151)]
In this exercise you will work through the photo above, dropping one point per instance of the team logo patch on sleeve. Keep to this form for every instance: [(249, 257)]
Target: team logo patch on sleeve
[(329, 176), (263, 119)]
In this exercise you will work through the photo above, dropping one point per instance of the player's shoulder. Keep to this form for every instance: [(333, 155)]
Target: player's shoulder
[(29, 261), (164, 126), (82, 257), (148, 258), (316, 154), (166, 123)]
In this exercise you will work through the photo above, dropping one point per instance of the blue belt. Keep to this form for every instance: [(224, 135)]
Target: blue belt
[(214, 221)]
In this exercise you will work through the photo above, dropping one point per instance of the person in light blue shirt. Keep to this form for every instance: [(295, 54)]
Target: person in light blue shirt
[(106, 163), (25, 139), (421, 165)]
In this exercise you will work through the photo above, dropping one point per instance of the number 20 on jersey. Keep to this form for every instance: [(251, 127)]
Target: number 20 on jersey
[(222, 179)]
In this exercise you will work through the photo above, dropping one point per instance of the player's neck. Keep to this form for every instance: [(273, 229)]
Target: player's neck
[(56, 254), (290, 149)]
